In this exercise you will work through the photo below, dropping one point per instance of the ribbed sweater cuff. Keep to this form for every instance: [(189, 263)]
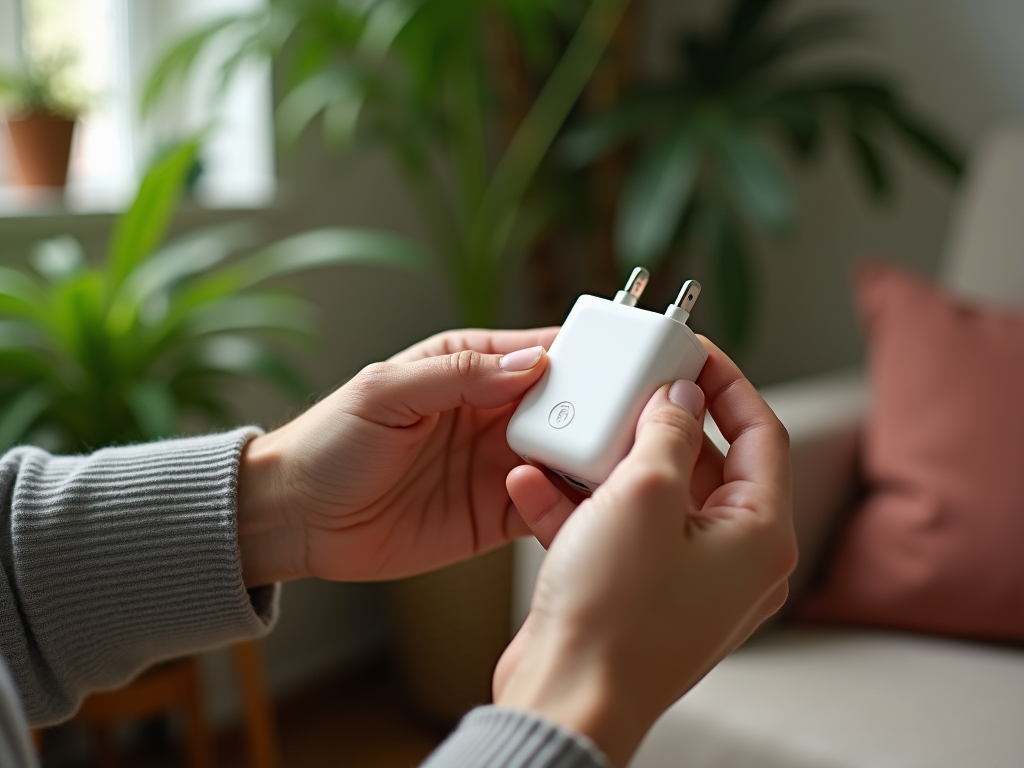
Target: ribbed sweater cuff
[(124, 558), (507, 738)]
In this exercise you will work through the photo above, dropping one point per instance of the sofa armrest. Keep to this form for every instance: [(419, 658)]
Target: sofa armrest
[(823, 415)]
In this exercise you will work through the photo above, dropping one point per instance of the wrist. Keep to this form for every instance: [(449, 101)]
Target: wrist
[(575, 687), (271, 546)]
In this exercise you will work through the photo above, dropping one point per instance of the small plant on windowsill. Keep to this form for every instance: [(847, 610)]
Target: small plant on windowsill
[(42, 109)]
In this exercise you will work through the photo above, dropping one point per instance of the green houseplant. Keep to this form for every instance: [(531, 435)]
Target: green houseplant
[(125, 349), (708, 169), (42, 110), (417, 79)]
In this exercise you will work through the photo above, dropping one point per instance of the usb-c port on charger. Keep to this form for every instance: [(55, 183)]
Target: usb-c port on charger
[(574, 483)]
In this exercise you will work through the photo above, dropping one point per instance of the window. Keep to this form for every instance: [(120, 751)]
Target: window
[(113, 45)]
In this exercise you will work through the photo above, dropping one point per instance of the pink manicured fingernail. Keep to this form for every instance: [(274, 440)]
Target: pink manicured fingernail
[(688, 395), (521, 360)]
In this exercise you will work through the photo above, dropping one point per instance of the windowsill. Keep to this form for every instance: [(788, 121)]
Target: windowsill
[(44, 202), (48, 207)]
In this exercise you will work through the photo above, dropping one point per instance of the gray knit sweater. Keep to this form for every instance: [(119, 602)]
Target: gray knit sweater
[(111, 562)]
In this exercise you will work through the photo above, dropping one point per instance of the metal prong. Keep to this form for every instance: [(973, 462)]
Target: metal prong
[(637, 282), (680, 309), (688, 295), (634, 287)]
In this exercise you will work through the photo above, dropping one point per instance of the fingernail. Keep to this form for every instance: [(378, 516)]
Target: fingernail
[(688, 395), (521, 360)]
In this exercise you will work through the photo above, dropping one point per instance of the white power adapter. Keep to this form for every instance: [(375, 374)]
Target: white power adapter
[(607, 360)]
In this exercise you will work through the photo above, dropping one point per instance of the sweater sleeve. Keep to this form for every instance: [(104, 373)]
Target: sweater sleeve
[(507, 738), (116, 560)]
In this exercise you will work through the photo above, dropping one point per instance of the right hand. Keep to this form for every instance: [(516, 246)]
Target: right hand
[(669, 566)]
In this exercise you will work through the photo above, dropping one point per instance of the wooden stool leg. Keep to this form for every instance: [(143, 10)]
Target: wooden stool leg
[(106, 748), (197, 734), (260, 732)]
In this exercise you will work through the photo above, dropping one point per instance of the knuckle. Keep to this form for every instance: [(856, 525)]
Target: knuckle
[(680, 425), (651, 483), (373, 376), (781, 433), (465, 364)]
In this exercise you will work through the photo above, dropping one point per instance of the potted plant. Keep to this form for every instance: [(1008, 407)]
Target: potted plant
[(709, 142), (41, 115), (419, 80), (126, 349)]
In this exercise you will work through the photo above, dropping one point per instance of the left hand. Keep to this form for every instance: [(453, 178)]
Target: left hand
[(400, 471)]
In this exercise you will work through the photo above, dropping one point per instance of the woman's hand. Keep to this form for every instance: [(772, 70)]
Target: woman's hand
[(671, 564), (400, 471)]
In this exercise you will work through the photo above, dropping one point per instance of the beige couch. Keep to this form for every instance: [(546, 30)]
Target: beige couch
[(843, 698)]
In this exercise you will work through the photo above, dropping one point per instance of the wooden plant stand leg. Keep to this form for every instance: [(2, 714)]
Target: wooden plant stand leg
[(260, 731)]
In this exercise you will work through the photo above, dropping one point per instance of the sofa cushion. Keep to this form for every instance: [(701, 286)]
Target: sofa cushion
[(797, 698), (936, 547)]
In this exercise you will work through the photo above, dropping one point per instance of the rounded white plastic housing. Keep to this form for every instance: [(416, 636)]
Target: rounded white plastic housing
[(580, 418)]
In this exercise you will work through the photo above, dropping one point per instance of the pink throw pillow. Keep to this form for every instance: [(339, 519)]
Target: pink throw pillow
[(938, 545)]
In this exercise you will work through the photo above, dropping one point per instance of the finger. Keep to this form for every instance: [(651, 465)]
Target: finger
[(543, 507), (759, 443), (707, 474), (399, 394), (669, 436), (477, 340)]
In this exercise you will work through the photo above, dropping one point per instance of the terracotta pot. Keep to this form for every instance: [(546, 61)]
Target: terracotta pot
[(42, 148)]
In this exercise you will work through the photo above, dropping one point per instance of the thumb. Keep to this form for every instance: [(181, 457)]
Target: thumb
[(669, 436), (401, 393)]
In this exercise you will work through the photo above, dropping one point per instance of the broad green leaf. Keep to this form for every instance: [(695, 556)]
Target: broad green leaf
[(597, 136), (20, 413), (178, 62), (334, 87), (185, 257), (928, 142), (756, 180), (801, 36), (240, 355), (153, 407), (536, 134), (329, 247), (655, 199), (797, 117), (19, 334), (20, 294), (870, 160), (76, 320), (142, 228), (384, 22), (252, 312), (254, 49)]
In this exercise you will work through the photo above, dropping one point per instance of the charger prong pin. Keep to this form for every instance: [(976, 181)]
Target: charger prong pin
[(634, 287), (681, 308)]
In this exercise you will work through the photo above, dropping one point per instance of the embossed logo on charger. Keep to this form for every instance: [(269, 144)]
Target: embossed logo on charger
[(561, 414)]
